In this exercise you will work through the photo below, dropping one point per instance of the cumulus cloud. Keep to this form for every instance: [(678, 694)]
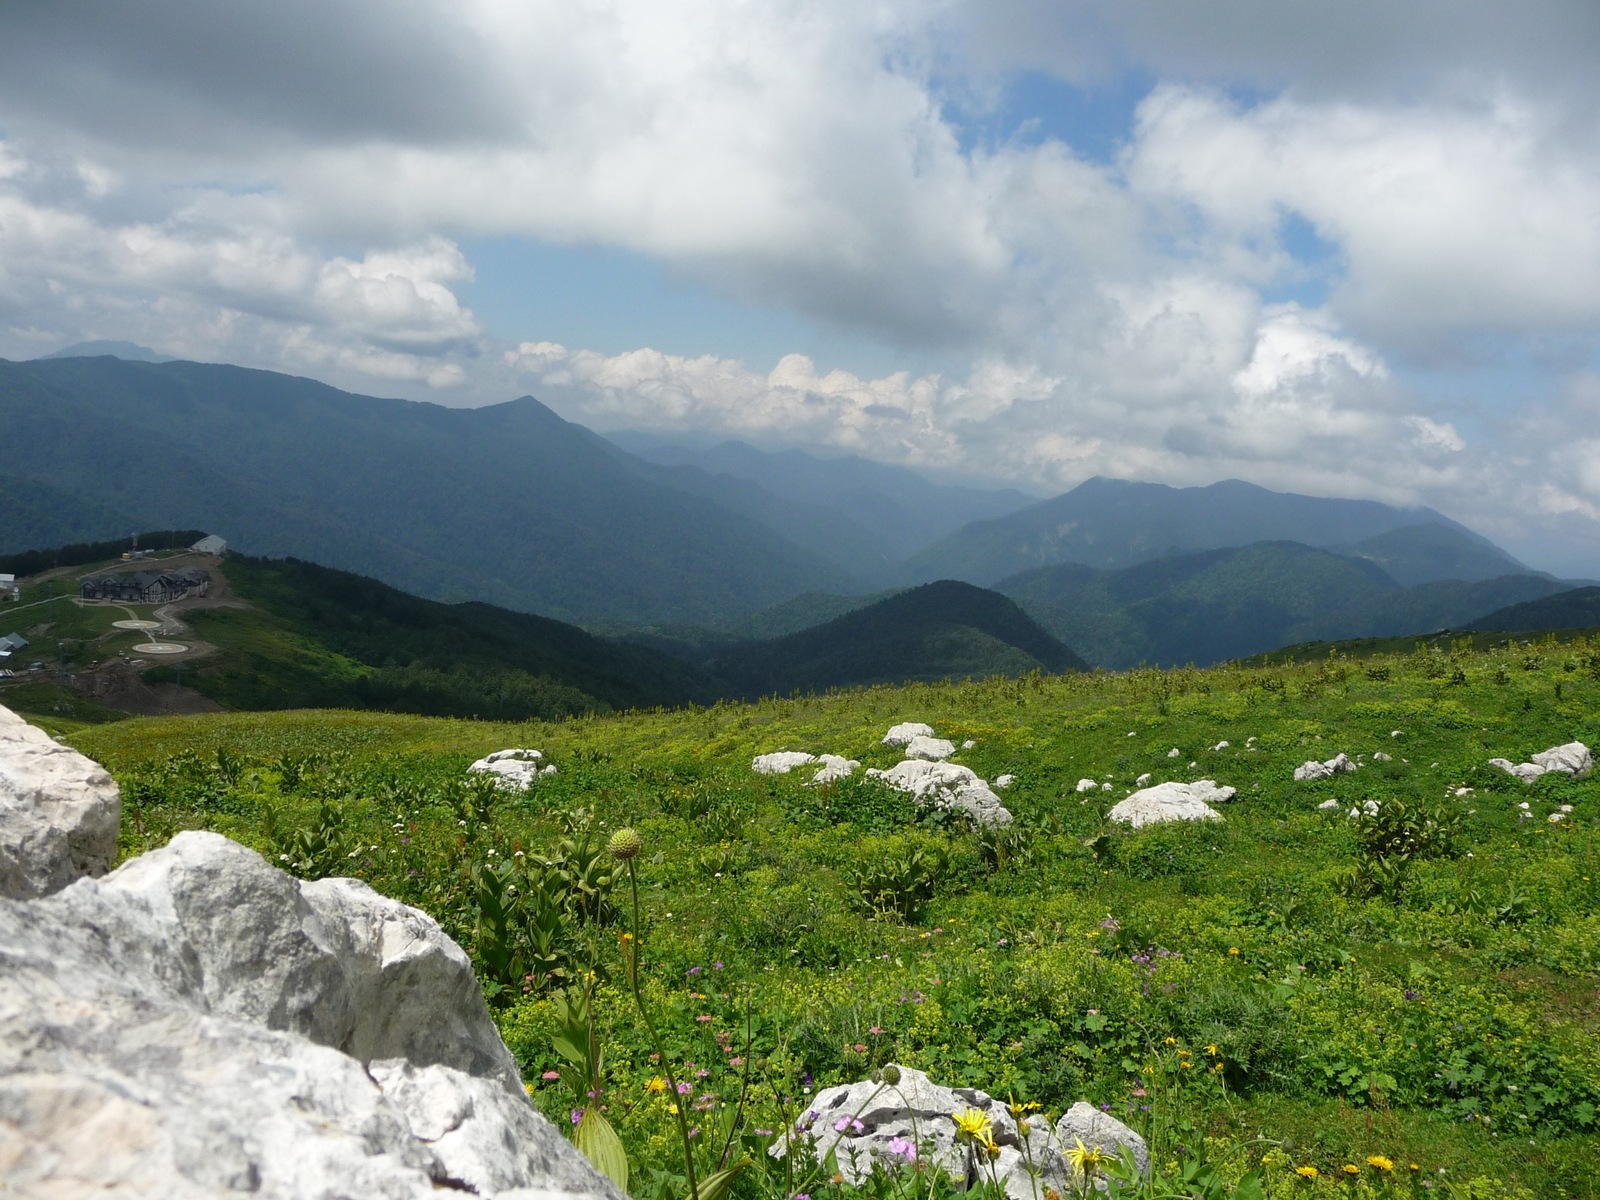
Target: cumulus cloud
[(289, 185)]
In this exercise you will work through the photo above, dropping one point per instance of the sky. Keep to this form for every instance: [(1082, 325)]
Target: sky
[(1343, 249)]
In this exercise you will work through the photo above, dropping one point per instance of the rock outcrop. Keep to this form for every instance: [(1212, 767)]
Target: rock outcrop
[(514, 770), (1172, 802), (901, 735), (58, 812), (931, 748), (1337, 765), (948, 785), (780, 762), (1571, 759), (871, 1122), (197, 1023), (834, 766)]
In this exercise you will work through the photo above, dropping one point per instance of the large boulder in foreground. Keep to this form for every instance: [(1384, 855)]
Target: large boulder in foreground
[(59, 812), (1171, 802), (198, 1023), (872, 1122)]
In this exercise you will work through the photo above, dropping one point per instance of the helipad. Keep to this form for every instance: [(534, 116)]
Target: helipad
[(161, 648), (136, 624)]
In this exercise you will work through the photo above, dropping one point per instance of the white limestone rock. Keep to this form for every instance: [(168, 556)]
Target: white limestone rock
[(1142, 780), (856, 1123), (514, 770), (1004, 781), (968, 744), (1086, 785), (1571, 759), (901, 735), (1380, 756), (1330, 802), (834, 766), (1339, 764), (946, 785), (931, 748), (781, 762), (1171, 802), (59, 812), (198, 1023), (1174, 753)]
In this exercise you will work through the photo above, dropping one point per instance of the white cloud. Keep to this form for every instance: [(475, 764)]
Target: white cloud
[(801, 156)]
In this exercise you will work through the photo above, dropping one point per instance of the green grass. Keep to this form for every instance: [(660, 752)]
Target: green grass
[(1454, 1022)]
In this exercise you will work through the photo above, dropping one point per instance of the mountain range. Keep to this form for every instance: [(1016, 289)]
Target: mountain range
[(698, 551)]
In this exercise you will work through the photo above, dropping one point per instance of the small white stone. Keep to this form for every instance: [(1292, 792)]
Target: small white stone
[(1142, 780), (968, 744), (1174, 753), (1220, 746), (1086, 785), (1004, 781)]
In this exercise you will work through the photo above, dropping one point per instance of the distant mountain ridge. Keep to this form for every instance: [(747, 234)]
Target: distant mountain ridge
[(1117, 523), (937, 631), (1234, 602), (508, 504)]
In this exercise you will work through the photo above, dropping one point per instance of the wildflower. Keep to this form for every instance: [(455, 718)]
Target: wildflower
[(1087, 1160), (1307, 1172), (577, 1115), (859, 1048), (656, 1085), (1213, 1049), (875, 1030), (1413, 1166), (902, 1148), (529, 1088), (1171, 1041), (625, 844), (835, 1178), (1380, 1162), (850, 1123), (736, 1061), (703, 1018), (1351, 1169), (549, 1075), (685, 1088), (1233, 950), (972, 1125)]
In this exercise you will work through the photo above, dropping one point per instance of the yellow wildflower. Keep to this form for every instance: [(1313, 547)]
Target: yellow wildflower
[(1351, 1169), (657, 1084), (1307, 1172), (1213, 1049), (1380, 1162), (1086, 1160), (1233, 950), (972, 1125), (1171, 1041)]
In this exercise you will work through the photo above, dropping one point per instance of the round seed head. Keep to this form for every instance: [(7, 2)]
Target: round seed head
[(625, 844)]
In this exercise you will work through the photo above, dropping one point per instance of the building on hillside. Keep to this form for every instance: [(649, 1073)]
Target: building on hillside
[(210, 544), (146, 587), (10, 644), (9, 589)]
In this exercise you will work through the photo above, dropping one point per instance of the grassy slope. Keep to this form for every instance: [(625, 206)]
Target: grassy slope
[(319, 636), (1014, 979)]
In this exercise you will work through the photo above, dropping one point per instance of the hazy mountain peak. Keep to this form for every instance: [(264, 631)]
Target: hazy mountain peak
[(129, 351)]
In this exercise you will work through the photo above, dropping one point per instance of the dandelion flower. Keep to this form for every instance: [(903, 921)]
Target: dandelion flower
[(1307, 1172), (1380, 1162), (656, 1084), (1351, 1169), (972, 1125)]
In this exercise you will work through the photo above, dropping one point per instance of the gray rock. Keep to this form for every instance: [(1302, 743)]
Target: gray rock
[(947, 785), (931, 748), (780, 762), (1172, 802), (834, 766), (901, 735), (1380, 756), (1571, 759), (514, 770), (198, 1022), (59, 812), (1337, 765), (857, 1122)]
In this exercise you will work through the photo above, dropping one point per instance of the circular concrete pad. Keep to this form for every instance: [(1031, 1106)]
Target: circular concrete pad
[(160, 648), (136, 624)]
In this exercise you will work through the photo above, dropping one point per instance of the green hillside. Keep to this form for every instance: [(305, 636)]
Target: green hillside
[(945, 630), (1578, 608), (1424, 553), (317, 637), (507, 504), (1283, 991), (1114, 523), (1236, 602)]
